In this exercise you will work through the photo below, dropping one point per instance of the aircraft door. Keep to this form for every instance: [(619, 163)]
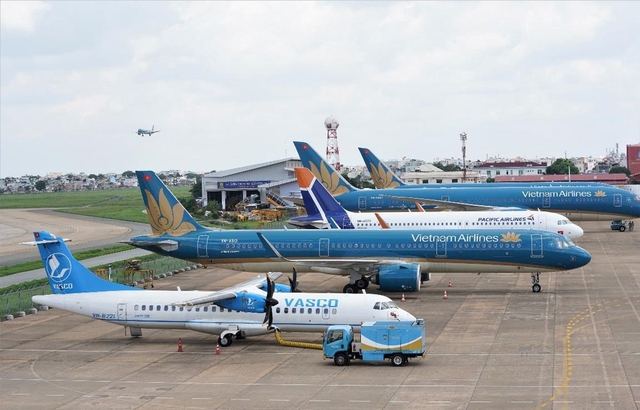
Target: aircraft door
[(362, 203), (323, 247), (546, 202), (326, 315), (536, 246), (617, 200), (346, 223), (441, 249), (122, 312), (203, 243)]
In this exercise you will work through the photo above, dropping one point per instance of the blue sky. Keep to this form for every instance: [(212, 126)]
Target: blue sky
[(234, 83)]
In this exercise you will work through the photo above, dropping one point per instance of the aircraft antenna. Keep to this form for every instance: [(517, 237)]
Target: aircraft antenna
[(463, 138), (333, 153)]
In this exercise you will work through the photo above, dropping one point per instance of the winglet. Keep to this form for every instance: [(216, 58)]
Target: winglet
[(383, 224)]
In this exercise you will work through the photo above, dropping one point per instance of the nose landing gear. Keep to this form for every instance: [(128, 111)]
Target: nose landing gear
[(535, 279)]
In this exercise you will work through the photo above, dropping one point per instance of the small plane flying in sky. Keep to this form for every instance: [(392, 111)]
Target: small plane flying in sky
[(383, 177), (578, 203), (144, 132), (324, 212), (243, 310), (393, 259)]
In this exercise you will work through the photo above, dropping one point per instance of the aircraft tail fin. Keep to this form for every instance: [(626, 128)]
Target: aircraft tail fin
[(319, 202), (326, 174), (64, 272), (166, 214), (381, 175)]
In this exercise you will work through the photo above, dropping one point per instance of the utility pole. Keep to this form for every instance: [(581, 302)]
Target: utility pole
[(463, 138)]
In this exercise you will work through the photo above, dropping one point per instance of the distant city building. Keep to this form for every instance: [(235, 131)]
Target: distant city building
[(496, 169), (633, 161)]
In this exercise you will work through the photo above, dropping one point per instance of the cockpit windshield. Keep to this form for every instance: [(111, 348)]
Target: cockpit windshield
[(385, 305), (565, 243)]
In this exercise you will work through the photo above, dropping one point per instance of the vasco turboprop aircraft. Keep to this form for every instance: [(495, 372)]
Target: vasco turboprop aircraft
[(144, 132), (390, 258), (235, 312), (584, 203), (383, 177), (324, 212)]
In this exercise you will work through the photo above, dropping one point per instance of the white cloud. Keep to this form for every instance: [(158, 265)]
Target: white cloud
[(21, 15)]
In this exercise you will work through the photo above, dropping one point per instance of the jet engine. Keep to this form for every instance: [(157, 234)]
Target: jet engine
[(402, 277)]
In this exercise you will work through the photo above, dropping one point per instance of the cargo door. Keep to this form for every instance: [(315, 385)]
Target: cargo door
[(362, 203), (546, 202), (617, 200)]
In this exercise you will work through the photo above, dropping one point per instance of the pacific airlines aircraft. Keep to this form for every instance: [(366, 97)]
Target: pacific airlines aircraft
[(585, 203), (383, 177), (324, 212), (144, 132), (233, 313), (390, 258)]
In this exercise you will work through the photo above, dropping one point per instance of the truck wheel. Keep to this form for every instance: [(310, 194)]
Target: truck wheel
[(341, 359), (622, 228), (397, 359)]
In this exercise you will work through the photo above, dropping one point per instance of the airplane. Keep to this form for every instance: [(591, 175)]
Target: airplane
[(578, 203), (237, 312), (150, 132), (383, 177), (392, 259), (324, 212)]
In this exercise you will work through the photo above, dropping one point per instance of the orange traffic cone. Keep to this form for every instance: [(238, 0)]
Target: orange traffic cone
[(449, 285), (445, 295), (403, 299), (179, 344), (217, 349)]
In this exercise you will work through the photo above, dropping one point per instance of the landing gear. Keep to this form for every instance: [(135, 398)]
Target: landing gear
[(358, 283), (226, 340), (535, 279)]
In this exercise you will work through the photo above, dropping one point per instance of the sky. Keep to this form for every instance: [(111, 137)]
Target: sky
[(231, 84)]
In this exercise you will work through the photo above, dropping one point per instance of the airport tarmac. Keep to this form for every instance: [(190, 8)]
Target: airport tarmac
[(493, 344)]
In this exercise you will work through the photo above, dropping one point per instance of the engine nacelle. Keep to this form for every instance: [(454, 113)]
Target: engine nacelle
[(245, 302), (403, 277)]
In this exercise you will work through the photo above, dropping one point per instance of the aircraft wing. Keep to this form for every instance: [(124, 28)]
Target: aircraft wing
[(230, 292), (447, 205), (167, 245)]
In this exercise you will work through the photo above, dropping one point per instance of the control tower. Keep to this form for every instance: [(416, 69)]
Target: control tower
[(333, 153)]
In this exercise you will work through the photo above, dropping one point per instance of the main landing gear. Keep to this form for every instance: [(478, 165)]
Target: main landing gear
[(357, 286), (535, 279)]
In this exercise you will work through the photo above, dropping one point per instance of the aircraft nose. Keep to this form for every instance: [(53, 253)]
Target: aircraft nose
[(576, 232), (581, 258)]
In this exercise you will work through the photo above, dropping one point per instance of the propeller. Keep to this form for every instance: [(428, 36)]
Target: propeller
[(293, 282), (269, 303)]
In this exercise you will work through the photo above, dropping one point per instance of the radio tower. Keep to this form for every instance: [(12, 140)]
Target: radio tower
[(333, 153), (463, 138)]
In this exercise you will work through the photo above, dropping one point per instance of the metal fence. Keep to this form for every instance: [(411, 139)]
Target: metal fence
[(18, 302)]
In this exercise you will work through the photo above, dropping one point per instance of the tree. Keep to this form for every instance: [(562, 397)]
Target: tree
[(447, 168), (128, 174), (620, 170), (196, 189), (561, 166), (41, 185), (358, 182)]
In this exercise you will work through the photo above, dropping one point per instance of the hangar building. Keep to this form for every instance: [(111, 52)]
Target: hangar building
[(269, 181)]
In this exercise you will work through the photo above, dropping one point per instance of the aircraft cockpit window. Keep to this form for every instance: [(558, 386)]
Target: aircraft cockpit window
[(376, 306), (392, 305), (384, 306)]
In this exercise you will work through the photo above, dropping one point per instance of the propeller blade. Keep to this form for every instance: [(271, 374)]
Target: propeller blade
[(293, 282)]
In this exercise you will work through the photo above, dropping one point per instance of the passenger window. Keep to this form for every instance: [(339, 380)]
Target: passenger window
[(293, 310), (309, 311), (158, 307), (317, 311), (166, 308), (173, 308), (286, 310), (277, 310), (144, 307), (150, 308), (135, 307)]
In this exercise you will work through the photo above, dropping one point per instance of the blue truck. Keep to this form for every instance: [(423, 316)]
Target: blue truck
[(393, 340)]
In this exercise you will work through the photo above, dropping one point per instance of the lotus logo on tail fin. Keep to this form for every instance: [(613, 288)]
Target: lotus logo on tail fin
[(329, 178), (381, 177), (165, 218)]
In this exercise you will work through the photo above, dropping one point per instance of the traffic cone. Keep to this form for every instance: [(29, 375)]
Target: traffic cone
[(403, 299), (449, 285), (445, 295), (179, 344), (217, 349)]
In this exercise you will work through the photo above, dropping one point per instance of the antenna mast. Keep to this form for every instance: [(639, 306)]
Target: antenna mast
[(463, 138), (333, 153)]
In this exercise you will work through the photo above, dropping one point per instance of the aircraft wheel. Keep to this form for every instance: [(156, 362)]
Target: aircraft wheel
[(397, 359), (226, 340), (536, 288), (362, 283), (349, 288), (341, 359)]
